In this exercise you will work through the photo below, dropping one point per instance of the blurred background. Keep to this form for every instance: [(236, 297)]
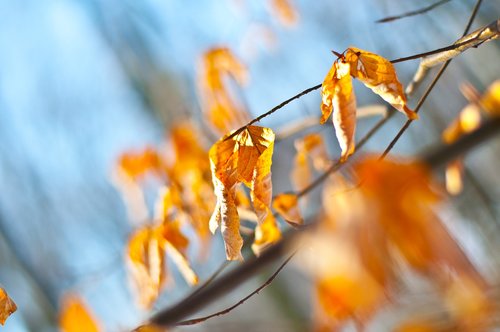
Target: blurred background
[(83, 81)]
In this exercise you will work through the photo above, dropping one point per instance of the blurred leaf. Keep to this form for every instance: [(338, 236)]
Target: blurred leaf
[(7, 306), (75, 316)]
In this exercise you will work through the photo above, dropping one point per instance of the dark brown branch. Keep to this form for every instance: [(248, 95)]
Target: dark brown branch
[(431, 86), (243, 300), (274, 109), (412, 13)]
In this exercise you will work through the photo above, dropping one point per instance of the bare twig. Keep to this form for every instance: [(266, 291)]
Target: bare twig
[(413, 12), (474, 39), (243, 300), (431, 86)]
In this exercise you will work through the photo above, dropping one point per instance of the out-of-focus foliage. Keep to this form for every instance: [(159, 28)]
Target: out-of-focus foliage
[(7, 306), (74, 316)]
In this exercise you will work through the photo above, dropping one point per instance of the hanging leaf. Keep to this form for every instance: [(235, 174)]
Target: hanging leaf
[(135, 165), (176, 244), (146, 260), (338, 97), (244, 158), (7, 306), (378, 74), (223, 110), (75, 316), (287, 205)]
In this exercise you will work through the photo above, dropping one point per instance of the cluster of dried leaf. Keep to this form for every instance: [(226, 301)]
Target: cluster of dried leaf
[(376, 223)]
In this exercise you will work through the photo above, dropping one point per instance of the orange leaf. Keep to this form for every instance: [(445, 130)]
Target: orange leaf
[(338, 96), (244, 158), (176, 244), (136, 165), (287, 205), (378, 74), (400, 198), (7, 306), (75, 317), (146, 260), (223, 111)]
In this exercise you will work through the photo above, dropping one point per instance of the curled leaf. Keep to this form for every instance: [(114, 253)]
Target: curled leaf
[(75, 316), (338, 97), (146, 259), (223, 111), (378, 74), (244, 158), (7, 306)]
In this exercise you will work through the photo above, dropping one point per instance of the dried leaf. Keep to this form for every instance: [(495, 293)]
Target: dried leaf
[(287, 205), (7, 306), (75, 316), (338, 96), (175, 243), (146, 259), (223, 111), (378, 74), (135, 165), (244, 158)]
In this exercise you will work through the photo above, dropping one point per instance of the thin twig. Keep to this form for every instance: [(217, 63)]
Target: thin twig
[(318, 86), (274, 109), (243, 300), (412, 13), (431, 86), (214, 275)]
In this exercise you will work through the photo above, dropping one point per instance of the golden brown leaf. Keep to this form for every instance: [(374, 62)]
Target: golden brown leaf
[(146, 260), (136, 165), (244, 158), (287, 205), (223, 112), (338, 96), (175, 243), (7, 306), (378, 74), (75, 316)]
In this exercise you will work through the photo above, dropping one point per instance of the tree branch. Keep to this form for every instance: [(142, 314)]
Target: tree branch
[(431, 86), (474, 39), (412, 13), (234, 306)]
